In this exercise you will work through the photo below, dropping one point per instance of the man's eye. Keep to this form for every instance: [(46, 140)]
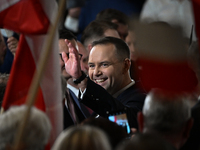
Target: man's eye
[(105, 65), (91, 66)]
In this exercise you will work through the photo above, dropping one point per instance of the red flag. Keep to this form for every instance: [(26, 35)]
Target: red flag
[(196, 9), (32, 19)]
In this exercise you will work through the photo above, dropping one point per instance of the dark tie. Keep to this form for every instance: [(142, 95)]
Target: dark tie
[(71, 107)]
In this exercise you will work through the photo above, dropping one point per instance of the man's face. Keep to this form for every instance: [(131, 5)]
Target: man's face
[(84, 59), (64, 48), (130, 40), (122, 30), (105, 69)]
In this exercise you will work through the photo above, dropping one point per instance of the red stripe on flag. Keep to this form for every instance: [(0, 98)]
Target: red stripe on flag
[(20, 78), (26, 16), (174, 77)]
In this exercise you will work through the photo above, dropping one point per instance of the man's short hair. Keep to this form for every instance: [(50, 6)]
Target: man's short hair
[(37, 130), (122, 49), (110, 14), (66, 34), (165, 113), (95, 30)]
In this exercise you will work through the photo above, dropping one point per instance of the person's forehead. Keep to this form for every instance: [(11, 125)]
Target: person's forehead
[(82, 49), (107, 50), (112, 33), (63, 46)]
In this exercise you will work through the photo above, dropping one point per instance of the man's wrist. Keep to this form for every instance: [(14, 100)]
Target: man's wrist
[(81, 78)]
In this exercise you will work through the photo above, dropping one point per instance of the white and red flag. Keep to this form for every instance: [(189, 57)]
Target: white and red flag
[(163, 58), (32, 19)]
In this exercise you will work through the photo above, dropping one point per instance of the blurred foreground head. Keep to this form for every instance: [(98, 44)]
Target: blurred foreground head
[(145, 142), (37, 129), (82, 138), (115, 133), (167, 115)]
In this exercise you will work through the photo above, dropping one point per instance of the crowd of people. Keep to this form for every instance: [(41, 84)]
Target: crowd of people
[(101, 77)]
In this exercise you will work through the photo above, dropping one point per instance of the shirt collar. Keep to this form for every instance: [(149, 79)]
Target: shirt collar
[(123, 89), (75, 90)]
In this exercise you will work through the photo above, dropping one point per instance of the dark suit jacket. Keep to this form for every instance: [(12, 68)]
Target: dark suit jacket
[(193, 141), (68, 121), (100, 101)]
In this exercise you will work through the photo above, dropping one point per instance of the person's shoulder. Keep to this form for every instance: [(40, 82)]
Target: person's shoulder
[(133, 92)]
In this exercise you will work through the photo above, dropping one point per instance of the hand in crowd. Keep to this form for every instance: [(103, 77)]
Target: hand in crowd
[(133, 132), (72, 64), (12, 44)]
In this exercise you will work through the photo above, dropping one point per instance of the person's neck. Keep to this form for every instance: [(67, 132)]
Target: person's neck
[(127, 80)]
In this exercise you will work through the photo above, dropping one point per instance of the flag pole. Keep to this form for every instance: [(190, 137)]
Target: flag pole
[(38, 74)]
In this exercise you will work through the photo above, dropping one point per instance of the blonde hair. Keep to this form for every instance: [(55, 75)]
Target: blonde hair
[(82, 138)]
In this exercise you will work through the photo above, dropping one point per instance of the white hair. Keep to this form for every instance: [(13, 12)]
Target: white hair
[(37, 129), (82, 138), (166, 114)]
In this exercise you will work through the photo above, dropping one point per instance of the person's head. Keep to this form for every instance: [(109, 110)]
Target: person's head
[(168, 115), (65, 34), (130, 40), (115, 133), (145, 142), (82, 138), (85, 56), (37, 129), (109, 63), (2, 49), (97, 30), (117, 17), (3, 82)]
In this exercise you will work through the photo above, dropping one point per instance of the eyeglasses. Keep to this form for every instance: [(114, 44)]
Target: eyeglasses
[(80, 56)]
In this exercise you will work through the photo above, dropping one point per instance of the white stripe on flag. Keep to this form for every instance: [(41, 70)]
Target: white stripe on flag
[(7, 3)]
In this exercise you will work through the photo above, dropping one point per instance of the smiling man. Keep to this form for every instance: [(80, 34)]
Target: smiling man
[(109, 65), (112, 89)]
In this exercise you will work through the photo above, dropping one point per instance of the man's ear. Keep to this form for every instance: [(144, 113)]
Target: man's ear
[(114, 21), (140, 119), (186, 130), (89, 47), (127, 64)]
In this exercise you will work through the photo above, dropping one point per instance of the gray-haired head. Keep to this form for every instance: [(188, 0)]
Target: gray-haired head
[(82, 138), (142, 141), (165, 114), (37, 129)]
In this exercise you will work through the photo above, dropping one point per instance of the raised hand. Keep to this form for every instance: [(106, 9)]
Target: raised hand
[(72, 64), (12, 44)]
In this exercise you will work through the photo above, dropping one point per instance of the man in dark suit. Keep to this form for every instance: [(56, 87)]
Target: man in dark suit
[(74, 112), (193, 140), (109, 86)]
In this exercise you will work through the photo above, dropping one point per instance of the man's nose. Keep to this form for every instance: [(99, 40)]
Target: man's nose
[(97, 71)]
